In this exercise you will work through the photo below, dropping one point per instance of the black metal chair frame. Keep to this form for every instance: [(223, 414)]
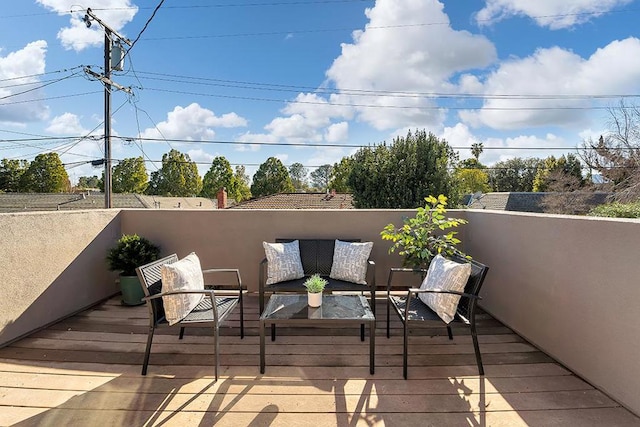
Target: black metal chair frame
[(211, 312), (413, 311)]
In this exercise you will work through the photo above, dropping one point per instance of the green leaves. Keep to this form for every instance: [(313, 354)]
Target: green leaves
[(272, 177), (417, 240), (130, 252)]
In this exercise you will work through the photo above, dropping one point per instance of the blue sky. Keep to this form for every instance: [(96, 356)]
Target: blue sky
[(309, 81)]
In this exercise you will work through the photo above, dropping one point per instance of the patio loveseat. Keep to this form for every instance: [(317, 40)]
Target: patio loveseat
[(317, 257)]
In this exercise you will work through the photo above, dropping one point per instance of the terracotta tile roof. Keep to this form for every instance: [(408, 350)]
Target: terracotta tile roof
[(299, 201)]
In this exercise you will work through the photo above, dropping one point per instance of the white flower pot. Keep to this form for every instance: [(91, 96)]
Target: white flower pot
[(314, 300)]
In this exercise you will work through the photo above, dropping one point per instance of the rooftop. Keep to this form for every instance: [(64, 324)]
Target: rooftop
[(86, 370), (557, 332)]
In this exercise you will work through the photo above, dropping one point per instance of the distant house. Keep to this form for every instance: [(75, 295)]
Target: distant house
[(331, 200), (24, 202), (526, 202)]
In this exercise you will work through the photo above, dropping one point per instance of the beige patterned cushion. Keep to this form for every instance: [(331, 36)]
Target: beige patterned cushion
[(350, 261), (446, 275), (183, 275), (283, 261)]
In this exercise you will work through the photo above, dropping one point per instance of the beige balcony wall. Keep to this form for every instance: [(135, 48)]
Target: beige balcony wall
[(233, 238), (570, 286), (52, 264)]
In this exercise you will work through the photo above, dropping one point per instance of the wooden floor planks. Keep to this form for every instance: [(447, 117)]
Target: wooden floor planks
[(86, 371)]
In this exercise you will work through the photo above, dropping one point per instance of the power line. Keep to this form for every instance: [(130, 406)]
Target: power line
[(71, 95), (146, 25)]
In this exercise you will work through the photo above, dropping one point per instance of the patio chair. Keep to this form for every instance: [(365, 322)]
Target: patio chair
[(214, 308), (413, 311)]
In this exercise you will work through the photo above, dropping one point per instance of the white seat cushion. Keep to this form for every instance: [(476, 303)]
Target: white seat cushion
[(284, 261), (350, 261), (184, 275), (447, 275)]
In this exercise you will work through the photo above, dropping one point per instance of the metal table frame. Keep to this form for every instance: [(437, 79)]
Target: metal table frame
[(292, 310)]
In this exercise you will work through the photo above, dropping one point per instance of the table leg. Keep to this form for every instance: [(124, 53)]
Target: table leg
[(262, 357)]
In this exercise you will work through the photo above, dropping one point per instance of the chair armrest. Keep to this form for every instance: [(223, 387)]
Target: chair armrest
[(443, 291), (208, 292), (371, 271), (396, 270), (226, 270)]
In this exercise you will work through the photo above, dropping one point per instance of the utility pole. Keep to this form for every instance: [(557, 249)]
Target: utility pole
[(105, 78)]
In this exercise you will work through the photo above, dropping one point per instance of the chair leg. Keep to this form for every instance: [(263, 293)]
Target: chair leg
[(450, 332), (476, 347), (388, 309), (241, 316), (181, 332), (273, 332), (147, 352), (362, 332), (405, 348), (217, 349)]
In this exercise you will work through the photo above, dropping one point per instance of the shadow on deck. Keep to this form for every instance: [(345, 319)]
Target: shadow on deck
[(86, 371)]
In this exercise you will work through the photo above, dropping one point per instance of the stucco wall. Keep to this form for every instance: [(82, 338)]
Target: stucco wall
[(570, 286), (52, 264)]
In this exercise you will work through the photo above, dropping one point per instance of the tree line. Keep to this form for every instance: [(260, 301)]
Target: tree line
[(395, 175)]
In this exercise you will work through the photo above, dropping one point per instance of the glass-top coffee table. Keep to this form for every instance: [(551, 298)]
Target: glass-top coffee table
[(293, 310)]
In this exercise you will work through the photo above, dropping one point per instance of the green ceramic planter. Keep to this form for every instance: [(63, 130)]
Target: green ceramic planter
[(132, 293)]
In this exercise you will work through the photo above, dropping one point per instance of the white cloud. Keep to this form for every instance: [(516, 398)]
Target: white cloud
[(613, 69), (115, 13), (192, 123), (554, 14), (405, 59), (66, 124), (25, 62), (337, 132), (295, 128)]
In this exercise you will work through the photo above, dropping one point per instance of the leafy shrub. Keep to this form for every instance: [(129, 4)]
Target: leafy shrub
[(131, 252), (617, 210), (424, 236)]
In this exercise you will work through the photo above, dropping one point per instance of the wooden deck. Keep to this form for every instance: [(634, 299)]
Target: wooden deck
[(85, 371)]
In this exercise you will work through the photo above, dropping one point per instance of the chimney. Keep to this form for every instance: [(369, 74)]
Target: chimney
[(222, 198)]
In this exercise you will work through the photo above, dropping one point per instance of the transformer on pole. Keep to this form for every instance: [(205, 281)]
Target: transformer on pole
[(111, 38)]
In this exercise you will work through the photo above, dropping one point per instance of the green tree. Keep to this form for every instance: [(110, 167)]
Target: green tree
[(321, 176), (514, 175), (11, 172), (476, 149), (298, 174), (240, 190), (130, 176), (219, 175), (340, 175), (272, 177), (87, 182), (403, 174), (551, 172), (472, 180), (45, 174), (178, 177)]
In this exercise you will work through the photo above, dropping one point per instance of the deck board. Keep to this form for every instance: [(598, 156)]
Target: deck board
[(86, 371)]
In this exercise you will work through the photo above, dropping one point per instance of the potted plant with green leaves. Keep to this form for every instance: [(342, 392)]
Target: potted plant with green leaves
[(130, 252), (315, 286), (425, 235)]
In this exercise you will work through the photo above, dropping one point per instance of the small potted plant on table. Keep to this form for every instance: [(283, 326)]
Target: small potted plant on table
[(315, 286), (130, 252)]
